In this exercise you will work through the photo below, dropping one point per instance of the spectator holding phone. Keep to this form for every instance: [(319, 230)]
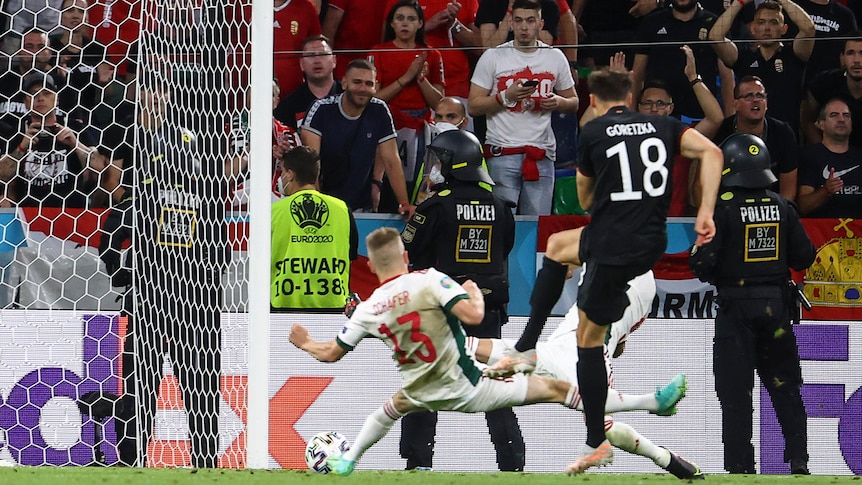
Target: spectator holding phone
[(50, 163), (517, 85)]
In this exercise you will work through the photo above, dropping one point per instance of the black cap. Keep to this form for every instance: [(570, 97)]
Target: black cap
[(40, 79)]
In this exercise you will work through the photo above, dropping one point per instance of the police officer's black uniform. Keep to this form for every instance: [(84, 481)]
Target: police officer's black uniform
[(758, 237), (467, 232)]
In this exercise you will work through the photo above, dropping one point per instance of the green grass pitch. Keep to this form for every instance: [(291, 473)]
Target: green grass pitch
[(135, 476)]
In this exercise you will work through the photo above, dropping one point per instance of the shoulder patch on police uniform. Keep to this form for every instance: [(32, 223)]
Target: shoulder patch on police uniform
[(418, 218), (408, 233)]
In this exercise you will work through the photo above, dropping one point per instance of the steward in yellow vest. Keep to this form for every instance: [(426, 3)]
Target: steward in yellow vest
[(314, 238)]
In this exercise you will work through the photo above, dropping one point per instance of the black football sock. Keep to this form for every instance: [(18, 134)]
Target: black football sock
[(546, 292), (593, 384)]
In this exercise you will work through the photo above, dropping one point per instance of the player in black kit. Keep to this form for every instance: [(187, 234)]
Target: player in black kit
[(180, 240), (758, 238), (467, 232), (625, 162), (171, 207)]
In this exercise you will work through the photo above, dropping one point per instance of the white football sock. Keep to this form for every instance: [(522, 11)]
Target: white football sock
[(618, 401), (627, 438), (376, 426), (498, 350)]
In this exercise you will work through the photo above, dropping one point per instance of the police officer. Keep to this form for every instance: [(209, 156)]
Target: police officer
[(758, 237), (467, 232), (314, 239)]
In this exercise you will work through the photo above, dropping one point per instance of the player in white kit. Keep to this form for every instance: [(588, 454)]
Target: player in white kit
[(419, 315), (557, 359)]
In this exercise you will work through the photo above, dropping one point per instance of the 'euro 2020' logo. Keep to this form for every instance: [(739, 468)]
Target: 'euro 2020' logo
[(309, 211)]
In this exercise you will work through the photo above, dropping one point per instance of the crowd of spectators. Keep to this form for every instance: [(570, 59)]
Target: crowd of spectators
[(361, 84), (773, 67)]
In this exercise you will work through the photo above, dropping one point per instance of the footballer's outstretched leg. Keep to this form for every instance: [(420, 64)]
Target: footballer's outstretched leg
[(600, 456), (624, 437)]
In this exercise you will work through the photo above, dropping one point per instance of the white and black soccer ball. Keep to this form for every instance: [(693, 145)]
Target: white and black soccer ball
[(322, 446)]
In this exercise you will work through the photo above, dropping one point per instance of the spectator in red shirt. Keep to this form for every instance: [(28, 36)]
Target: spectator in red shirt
[(293, 22), (411, 79), (355, 26), (448, 24), (287, 40), (116, 26)]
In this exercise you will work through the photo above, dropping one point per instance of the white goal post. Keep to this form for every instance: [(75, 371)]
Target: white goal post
[(259, 238)]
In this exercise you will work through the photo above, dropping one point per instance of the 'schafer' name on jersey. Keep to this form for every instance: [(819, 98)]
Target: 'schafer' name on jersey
[(475, 212), (390, 303), (630, 129), (765, 213)]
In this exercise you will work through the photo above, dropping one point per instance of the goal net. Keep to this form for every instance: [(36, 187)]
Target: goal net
[(122, 256), (180, 234)]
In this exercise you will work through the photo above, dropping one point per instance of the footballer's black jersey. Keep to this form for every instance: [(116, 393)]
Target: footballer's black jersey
[(179, 201), (630, 155)]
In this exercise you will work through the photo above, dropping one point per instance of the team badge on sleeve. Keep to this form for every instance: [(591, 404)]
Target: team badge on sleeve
[(447, 282)]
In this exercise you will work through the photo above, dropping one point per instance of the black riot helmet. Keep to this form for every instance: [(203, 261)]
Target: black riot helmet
[(460, 156), (746, 162)]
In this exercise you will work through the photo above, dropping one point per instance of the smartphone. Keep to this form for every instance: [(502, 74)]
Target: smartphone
[(531, 84)]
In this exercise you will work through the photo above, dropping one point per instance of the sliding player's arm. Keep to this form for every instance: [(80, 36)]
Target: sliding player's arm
[(323, 351), (470, 311)]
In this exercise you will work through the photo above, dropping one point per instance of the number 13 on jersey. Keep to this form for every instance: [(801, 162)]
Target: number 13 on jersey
[(413, 319)]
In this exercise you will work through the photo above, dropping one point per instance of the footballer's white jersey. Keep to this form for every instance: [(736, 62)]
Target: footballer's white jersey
[(411, 314), (558, 357)]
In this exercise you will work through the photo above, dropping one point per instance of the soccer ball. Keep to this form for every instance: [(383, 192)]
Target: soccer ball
[(322, 446)]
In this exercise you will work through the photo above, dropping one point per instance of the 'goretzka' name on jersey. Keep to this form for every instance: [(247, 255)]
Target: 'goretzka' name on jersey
[(766, 213), (475, 212), (629, 129)]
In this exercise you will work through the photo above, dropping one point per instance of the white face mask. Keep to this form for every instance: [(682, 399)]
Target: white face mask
[(444, 126), (435, 175), (280, 186)]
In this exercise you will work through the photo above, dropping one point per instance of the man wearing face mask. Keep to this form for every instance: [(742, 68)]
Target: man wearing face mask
[(314, 238), (466, 231), (450, 114)]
